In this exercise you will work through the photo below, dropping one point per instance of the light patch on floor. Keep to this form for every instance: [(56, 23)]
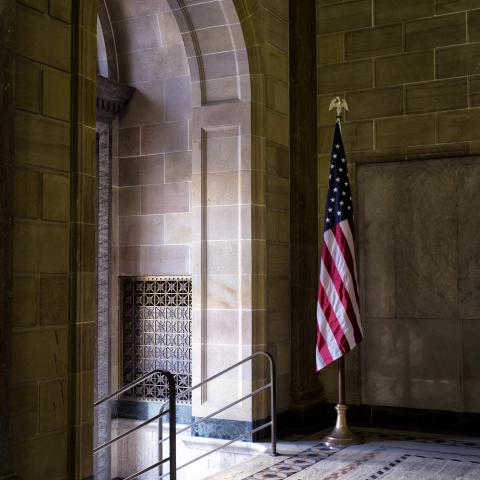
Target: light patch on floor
[(384, 455)]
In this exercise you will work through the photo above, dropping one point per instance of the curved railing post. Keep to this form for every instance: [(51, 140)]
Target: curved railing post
[(172, 398), (160, 446), (172, 415), (273, 403), (172, 420)]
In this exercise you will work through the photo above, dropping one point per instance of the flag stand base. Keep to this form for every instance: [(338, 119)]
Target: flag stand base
[(341, 435)]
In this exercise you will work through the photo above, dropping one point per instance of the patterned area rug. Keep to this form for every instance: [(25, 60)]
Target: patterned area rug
[(381, 457)]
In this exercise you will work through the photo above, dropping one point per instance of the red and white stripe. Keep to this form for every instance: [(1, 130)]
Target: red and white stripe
[(339, 328)]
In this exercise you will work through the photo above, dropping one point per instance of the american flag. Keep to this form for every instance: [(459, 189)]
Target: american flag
[(338, 316)]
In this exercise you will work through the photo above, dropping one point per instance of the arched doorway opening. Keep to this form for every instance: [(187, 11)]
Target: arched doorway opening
[(180, 206)]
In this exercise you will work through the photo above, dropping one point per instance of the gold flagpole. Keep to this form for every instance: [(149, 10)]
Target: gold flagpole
[(341, 435)]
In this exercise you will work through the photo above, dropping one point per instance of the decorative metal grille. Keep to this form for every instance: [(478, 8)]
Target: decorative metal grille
[(157, 333)]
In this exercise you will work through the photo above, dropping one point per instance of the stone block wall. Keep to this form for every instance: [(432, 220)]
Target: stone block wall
[(154, 166), (7, 112), (53, 302), (266, 30), (409, 71), (82, 331), (274, 24), (202, 46), (40, 311)]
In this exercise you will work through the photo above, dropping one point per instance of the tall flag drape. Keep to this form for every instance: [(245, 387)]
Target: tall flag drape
[(339, 328)]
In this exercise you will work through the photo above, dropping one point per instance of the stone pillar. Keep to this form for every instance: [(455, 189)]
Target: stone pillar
[(111, 97), (83, 242), (102, 364), (223, 246), (305, 391), (6, 196), (41, 249)]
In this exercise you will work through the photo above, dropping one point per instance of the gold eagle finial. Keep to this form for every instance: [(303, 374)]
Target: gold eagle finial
[(340, 104)]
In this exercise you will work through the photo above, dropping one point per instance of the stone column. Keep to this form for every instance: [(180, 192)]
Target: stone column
[(6, 196), (83, 242), (111, 97), (223, 246), (102, 365), (305, 391)]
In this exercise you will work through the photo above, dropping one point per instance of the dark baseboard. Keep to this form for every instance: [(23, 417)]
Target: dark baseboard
[(230, 429), (416, 419), (305, 422), (411, 419)]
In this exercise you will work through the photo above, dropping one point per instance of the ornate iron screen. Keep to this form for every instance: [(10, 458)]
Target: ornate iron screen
[(157, 333)]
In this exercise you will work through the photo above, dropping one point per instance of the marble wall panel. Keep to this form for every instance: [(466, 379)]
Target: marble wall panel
[(471, 370), (425, 246), (402, 363), (419, 348), (377, 261), (469, 242)]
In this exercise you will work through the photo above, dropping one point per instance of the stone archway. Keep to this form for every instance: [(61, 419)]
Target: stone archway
[(202, 47), (69, 46)]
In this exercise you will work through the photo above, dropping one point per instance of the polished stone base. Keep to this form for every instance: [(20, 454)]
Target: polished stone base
[(230, 429), (140, 410)]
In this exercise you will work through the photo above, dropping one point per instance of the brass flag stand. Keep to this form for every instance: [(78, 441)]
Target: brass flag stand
[(341, 435)]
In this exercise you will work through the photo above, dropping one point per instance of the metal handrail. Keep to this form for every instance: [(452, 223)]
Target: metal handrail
[(203, 419), (272, 385), (273, 408), (172, 458)]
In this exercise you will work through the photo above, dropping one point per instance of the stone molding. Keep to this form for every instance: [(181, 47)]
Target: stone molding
[(111, 98)]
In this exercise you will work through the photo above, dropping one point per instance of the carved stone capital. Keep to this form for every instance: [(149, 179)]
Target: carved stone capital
[(111, 98)]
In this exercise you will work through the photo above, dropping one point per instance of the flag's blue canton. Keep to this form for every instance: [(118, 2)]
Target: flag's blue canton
[(339, 197)]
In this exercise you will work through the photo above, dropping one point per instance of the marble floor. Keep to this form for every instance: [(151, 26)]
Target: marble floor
[(384, 455)]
